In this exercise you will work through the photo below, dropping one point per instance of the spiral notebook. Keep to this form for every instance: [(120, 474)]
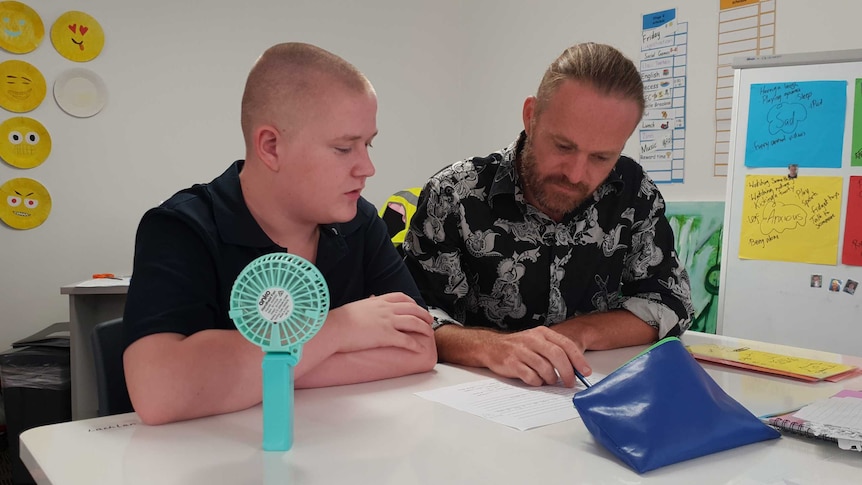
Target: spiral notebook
[(837, 419)]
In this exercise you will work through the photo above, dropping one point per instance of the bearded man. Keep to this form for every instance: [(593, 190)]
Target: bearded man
[(556, 244)]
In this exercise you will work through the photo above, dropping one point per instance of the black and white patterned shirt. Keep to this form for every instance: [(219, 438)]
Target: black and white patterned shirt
[(484, 256)]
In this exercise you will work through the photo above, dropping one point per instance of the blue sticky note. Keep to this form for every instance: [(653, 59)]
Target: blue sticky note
[(658, 19), (796, 122)]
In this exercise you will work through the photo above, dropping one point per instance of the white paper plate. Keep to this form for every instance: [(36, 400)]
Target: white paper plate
[(80, 92)]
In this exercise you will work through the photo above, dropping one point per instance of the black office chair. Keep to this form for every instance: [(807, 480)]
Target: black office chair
[(108, 346)]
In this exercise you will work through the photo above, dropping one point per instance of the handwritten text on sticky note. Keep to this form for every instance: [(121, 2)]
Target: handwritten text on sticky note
[(786, 219)]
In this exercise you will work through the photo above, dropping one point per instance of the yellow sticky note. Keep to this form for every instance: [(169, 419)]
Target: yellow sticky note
[(791, 219)]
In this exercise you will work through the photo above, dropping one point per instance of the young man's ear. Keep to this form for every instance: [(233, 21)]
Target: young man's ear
[(266, 146)]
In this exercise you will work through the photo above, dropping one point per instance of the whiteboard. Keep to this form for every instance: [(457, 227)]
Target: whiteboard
[(774, 301)]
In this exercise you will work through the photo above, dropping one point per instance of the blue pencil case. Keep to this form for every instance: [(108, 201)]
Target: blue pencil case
[(662, 408)]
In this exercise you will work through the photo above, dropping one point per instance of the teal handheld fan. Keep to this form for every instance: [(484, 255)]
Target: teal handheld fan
[(279, 301)]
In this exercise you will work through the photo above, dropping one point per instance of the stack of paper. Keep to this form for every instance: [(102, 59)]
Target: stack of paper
[(779, 364)]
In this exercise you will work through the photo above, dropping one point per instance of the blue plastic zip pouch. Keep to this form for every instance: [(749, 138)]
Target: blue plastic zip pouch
[(662, 408)]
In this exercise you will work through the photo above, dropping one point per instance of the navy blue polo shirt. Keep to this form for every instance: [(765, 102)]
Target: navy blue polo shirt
[(190, 249)]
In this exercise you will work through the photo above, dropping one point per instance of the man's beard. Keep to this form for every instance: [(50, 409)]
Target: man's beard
[(541, 190)]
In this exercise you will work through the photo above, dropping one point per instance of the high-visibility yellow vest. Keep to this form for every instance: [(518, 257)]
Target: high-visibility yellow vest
[(403, 202)]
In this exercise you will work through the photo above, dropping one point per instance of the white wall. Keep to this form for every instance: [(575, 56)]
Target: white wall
[(175, 72), (451, 77), (509, 44)]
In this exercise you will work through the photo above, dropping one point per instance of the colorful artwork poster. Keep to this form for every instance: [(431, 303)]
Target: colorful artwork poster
[(851, 255), (697, 236), (796, 122), (791, 219), (856, 147)]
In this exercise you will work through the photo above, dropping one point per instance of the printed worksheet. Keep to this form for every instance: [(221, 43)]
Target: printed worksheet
[(510, 402)]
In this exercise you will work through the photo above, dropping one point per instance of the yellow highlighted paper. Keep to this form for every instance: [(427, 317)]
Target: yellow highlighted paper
[(815, 369), (791, 219)]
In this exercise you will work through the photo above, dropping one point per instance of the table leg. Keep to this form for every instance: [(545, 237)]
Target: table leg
[(85, 311)]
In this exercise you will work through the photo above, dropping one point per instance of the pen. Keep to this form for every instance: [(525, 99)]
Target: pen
[(776, 414), (582, 378)]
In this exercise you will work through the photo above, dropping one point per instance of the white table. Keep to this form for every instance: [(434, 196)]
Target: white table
[(382, 433), (89, 306)]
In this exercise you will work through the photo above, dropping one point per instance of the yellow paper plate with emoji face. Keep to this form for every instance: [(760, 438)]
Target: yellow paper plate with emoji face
[(77, 36), (24, 142), (21, 28), (23, 87), (24, 203)]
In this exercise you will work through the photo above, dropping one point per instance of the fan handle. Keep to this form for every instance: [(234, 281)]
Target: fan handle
[(278, 400)]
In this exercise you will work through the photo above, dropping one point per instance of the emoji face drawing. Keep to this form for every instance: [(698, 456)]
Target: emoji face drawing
[(21, 28), (24, 142), (23, 86), (24, 203), (77, 36)]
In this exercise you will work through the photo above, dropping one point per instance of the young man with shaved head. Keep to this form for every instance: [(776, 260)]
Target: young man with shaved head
[(556, 244), (308, 120)]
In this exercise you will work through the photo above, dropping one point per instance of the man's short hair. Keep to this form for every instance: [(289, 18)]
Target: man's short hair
[(287, 78), (602, 66)]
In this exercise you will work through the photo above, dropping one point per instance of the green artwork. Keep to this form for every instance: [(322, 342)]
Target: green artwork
[(697, 227)]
